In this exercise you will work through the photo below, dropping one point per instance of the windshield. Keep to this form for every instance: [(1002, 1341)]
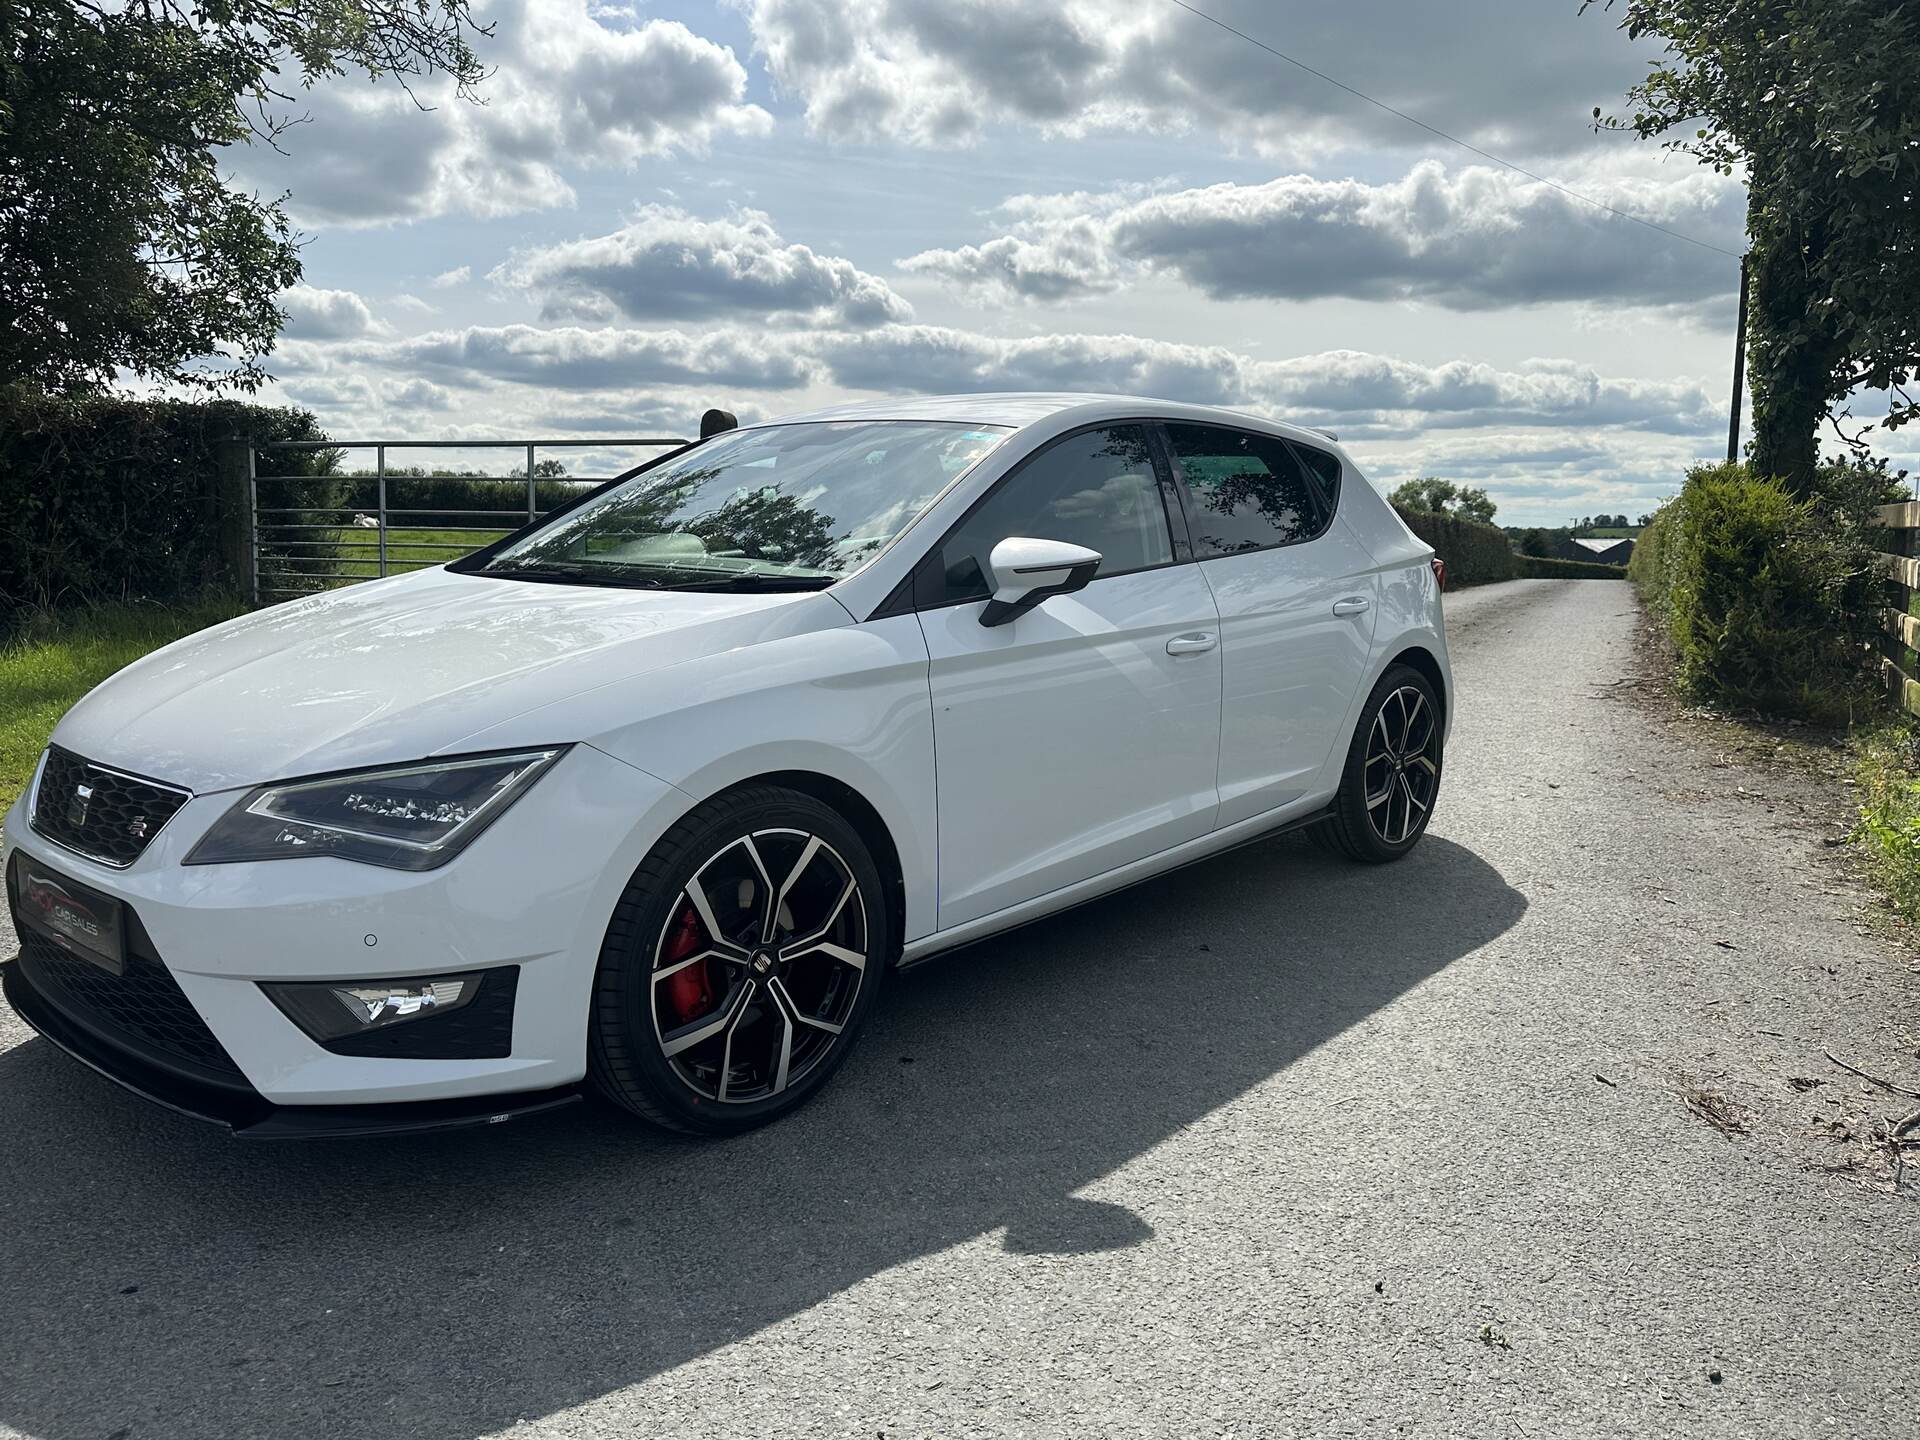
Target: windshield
[(785, 507)]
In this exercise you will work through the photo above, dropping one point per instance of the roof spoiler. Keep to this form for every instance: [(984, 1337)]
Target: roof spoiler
[(1322, 430)]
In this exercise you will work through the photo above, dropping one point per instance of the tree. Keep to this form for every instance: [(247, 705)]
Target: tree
[(1817, 102), (1443, 497), (1475, 504), (1536, 542), (1427, 493), (123, 245)]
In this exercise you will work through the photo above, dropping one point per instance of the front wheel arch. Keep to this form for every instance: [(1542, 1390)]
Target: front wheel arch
[(857, 811)]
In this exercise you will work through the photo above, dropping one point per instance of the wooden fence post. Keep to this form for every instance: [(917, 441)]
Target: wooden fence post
[(233, 511)]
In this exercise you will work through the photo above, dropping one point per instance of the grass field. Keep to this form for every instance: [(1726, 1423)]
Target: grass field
[(58, 660), (406, 549), (358, 556)]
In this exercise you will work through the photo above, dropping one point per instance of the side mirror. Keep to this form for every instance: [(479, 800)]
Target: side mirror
[(1027, 571)]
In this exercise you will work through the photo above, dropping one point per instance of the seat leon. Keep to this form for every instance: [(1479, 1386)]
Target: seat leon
[(648, 798)]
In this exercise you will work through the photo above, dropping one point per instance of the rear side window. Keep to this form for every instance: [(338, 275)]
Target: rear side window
[(1096, 489), (1326, 469), (1249, 492)]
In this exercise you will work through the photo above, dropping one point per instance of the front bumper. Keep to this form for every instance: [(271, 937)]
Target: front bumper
[(534, 892), (241, 1108)]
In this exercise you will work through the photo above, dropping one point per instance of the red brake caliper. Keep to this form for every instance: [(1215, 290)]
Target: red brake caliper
[(689, 991)]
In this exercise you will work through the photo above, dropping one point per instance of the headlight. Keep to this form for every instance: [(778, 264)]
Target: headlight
[(415, 817)]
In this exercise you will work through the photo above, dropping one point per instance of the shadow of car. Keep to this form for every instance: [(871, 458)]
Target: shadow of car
[(161, 1276)]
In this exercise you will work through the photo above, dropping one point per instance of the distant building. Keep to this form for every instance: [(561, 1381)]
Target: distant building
[(1607, 552)]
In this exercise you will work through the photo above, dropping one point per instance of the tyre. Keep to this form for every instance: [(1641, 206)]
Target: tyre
[(741, 960), (1392, 773)]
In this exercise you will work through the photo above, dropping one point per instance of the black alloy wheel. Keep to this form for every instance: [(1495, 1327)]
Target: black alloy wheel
[(1392, 775), (739, 964)]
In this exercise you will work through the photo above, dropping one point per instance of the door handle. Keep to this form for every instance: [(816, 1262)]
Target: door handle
[(1352, 605), (1197, 642)]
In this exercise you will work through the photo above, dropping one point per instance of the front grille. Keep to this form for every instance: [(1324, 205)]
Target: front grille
[(143, 1011), (103, 814)]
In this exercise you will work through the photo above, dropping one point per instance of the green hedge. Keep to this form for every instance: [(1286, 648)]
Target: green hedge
[(1476, 554), (106, 498), (411, 499), (1771, 601), (1544, 567)]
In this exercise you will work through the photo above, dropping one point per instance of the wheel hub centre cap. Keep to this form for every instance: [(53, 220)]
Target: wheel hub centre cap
[(763, 962)]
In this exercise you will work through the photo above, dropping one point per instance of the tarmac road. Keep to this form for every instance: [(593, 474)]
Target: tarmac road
[(1275, 1145)]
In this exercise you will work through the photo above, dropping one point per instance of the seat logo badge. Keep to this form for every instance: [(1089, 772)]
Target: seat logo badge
[(77, 806)]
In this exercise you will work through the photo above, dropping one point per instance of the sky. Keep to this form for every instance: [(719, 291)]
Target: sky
[(771, 205)]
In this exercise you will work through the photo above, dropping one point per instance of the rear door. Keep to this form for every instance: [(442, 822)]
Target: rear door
[(1295, 591), (1085, 733)]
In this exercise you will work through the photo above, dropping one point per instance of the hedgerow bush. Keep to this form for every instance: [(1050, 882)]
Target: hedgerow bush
[(1772, 602), (1546, 567), (105, 498), (413, 494), (1476, 554)]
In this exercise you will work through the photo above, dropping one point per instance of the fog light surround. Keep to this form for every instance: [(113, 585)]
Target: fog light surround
[(338, 1009)]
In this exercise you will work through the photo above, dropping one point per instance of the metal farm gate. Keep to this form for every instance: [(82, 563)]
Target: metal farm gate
[(316, 525)]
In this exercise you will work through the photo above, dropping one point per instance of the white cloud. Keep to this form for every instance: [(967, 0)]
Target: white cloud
[(666, 265), (448, 279), (944, 71), (566, 92), (1348, 390), (316, 314), (565, 358), (1337, 388), (1057, 260), (1547, 437), (1468, 239)]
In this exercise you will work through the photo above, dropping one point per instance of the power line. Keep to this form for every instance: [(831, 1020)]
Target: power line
[(1451, 139)]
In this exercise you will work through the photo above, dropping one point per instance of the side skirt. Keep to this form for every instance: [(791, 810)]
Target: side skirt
[(1220, 842)]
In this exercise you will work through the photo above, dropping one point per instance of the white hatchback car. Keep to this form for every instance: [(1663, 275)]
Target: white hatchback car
[(652, 794)]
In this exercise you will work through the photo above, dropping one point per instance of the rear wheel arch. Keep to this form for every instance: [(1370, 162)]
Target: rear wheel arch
[(1418, 657)]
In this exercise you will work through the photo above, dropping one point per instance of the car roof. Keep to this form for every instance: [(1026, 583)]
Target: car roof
[(1015, 408), (1021, 408)]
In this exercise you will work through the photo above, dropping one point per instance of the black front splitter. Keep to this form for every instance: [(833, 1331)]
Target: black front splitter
[(253, 1117)]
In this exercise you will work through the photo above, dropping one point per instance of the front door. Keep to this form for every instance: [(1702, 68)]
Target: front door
[(1085, 733)]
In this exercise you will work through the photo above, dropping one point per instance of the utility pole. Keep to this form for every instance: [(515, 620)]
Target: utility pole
[(1739, 369)]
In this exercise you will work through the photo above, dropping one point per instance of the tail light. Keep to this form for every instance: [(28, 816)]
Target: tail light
[(1439, 572)]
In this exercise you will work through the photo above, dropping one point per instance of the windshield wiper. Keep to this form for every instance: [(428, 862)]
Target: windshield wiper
[(619, 575), (758, 580), (545, 576)]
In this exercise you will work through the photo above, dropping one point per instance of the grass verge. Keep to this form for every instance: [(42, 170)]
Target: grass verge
[(58, 658), (1887, 774)]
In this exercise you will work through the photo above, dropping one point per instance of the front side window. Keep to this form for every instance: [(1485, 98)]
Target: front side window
[(1096, 489), (1249, 491), (792, 507)]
